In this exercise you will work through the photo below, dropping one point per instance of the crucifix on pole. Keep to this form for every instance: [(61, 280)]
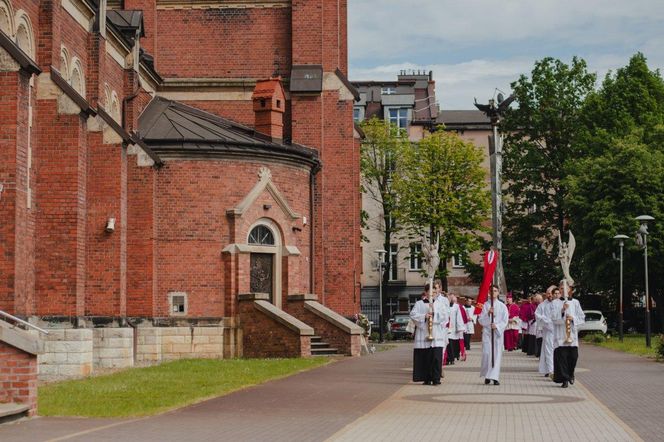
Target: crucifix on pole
[(495, 109)]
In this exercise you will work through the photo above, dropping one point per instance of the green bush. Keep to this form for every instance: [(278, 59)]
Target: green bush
[(374, 336), (660, 348), (595, 338)]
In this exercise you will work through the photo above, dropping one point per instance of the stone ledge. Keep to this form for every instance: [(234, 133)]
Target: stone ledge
[(333, 317), (253, 297), (284, 318), (20, 339), (303, 297)]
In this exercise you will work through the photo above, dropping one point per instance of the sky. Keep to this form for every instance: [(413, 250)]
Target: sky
[(474, 47)]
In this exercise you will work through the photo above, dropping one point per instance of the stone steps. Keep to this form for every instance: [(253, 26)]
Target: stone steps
[(321, 348), (13, 411)]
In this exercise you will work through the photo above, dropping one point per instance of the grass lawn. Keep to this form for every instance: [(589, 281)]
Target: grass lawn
[(152, 390), (635, 344)]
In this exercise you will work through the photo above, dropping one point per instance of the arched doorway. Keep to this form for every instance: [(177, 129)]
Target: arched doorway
[(265, 260)]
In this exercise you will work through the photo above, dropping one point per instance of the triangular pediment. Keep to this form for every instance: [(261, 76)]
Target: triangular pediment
[(264, 183)]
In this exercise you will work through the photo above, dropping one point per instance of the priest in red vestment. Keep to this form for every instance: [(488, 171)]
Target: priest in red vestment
[(513, 325)]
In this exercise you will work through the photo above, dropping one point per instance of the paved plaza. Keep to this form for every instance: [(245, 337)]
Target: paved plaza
[(372, 399)]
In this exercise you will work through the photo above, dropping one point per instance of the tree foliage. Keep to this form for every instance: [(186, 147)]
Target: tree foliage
[(441, 187), (621, 177), (541, 136), (382, 144)]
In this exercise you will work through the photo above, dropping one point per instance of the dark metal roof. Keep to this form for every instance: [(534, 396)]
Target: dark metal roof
[(127, 22), (462, 117), (175, 129)]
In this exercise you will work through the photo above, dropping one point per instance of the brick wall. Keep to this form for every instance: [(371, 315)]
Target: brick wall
[(140, 238), (106, 264), (264, 337), (192, 227), (229, 42), (18, 377)]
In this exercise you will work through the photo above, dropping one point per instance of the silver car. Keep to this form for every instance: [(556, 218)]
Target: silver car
[(595, 322)]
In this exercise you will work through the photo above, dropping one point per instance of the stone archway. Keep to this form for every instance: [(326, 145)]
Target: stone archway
[(265, 252)]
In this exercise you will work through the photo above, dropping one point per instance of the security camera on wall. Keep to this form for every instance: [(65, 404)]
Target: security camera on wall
[(110, 225)]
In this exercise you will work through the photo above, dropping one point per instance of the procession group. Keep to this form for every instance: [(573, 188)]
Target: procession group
[(544, 326)]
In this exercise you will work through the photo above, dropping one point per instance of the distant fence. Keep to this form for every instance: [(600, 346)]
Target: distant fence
[(371, 309)]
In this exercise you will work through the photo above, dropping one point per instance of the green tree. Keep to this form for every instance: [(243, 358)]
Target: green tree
[(441, 187), (381, 145), (542, 134), (621, 177)]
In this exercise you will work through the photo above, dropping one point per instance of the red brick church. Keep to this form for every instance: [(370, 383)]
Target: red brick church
[(178, 178)]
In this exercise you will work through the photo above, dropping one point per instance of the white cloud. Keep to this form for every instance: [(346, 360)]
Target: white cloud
[(475, 46), (381, 28)]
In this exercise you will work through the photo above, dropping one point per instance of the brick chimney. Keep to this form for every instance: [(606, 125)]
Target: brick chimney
[(269, 105)]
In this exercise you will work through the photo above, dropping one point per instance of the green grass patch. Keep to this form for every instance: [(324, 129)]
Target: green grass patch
[(151, 390), (635, 344)]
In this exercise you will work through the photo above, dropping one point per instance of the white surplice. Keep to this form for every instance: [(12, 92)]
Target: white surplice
[(457, 327), (545, 323), (559, 323), (470, 325), (439, 329), (500, 320)]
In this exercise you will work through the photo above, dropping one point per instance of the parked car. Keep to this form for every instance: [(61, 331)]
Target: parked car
[(595, 323), (397, 325)]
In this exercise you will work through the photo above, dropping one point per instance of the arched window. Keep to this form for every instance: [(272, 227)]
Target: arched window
[(64, 63), (24, 37), (261, 235), (77, 80), (115, 107), (6, 17)]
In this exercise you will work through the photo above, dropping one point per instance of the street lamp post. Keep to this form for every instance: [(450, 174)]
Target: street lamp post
[(381, 253), (642, 239), (621, 242)]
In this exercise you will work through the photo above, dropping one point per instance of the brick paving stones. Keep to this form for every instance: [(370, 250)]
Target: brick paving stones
[(371, 398), (632, 387), (525, 407)]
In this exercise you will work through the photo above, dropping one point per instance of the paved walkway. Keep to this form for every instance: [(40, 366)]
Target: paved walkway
[(632, 387), (371, 398)]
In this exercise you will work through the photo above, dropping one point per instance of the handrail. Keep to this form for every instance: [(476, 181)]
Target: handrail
[(22, 322)]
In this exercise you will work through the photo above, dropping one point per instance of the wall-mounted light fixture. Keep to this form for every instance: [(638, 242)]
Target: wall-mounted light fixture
[(110, 225)]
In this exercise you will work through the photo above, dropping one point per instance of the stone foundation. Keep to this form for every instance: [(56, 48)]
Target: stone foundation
[(113, 347), (74, 352), (67, 354)]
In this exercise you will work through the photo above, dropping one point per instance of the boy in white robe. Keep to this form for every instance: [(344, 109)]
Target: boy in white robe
[(500, 317), (565, 354), (428, 354), (543, 314)]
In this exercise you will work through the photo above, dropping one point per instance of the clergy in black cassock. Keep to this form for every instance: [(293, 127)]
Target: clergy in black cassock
[(428, 354)]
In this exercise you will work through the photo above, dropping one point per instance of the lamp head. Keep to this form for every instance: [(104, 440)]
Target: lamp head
[(644, 218)]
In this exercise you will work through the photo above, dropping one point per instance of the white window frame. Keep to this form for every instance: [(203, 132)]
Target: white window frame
[(171, 295), (415, 256), (388, 90), (457, 262), (399, 117), (394, 262)]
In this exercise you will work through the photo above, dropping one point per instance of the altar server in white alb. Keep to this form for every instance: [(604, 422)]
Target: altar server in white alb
[(428, 353), (567, 316), (544, 321), (500, 316)]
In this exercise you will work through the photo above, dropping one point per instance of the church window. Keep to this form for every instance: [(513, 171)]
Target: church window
[(261, 235)]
